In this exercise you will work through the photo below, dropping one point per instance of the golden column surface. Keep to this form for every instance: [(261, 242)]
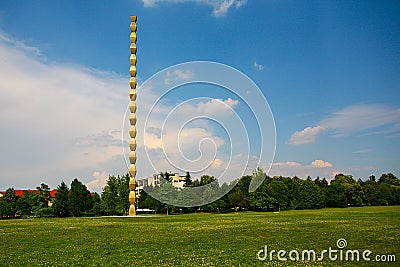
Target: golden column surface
[(132, 119)]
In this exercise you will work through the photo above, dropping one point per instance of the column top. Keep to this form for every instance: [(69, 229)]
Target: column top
[(133, 18)]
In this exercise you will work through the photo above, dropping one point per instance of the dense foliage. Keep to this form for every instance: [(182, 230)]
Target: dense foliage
[(274, 194), (76, 201), (281, 193)]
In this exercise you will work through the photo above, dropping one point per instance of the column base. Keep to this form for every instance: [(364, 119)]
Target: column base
[(132, 210)]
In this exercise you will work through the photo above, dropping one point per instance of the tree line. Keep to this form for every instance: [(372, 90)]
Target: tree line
[(75, 200), (283, 193), (274, 194)]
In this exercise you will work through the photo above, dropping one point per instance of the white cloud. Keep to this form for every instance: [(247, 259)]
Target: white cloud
[(18, 44), (316, 168), (321, 164), (217, 164), (362, 151), (288, 163), (149, 3), (103, 139), (58, 120), (155, 137), (306, 136), (214, 107), (61, 121), (220, 7), (363, 119), (258, 66), (240, 3), (186, 136), (99, 182), (178, 75), (358, 118), (153, 141)]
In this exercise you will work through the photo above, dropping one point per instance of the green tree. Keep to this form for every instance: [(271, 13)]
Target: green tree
[(237, 198), (260, 199), (166, 176), (122, 206), (206, 179), (196, 183), (359, 201), (188, 180), (324, 183), (372, 178), (42, 209), (341, 178), (26, 203), (44, 194), (385, 194), (396, 194), (142, 198), (336, 195), (61, 201), (115, 195), (209, 193), (390, 179), (279, 192), (79, 199), (353, 192), (321, 183), (370, 189), (109, 196), (353, 189), (147, 201), (3, 207), (96, 204), (166, 193), (10, 203), (317, 181), (310, 196), (217, 206), (293, 186), (239, 195)]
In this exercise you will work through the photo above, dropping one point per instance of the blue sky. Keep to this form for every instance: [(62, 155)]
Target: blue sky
[(328, 69)]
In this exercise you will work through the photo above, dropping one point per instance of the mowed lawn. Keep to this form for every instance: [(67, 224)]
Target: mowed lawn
[(198, 239)]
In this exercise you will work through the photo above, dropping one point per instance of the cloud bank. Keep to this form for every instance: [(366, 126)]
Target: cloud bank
[(356, 119), (306, 136), (57, 119), (61, 121), (220, 7), (316, 168)]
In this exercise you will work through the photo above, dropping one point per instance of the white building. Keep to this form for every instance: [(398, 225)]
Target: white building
[(177, 181)]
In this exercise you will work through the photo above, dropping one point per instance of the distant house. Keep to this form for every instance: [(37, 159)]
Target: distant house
[(21, 193), (177, 181)]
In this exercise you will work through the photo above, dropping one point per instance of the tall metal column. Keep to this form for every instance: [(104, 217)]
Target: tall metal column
[(132, 119)]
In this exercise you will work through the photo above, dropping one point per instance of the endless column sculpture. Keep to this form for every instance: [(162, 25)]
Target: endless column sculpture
[(132, 120)]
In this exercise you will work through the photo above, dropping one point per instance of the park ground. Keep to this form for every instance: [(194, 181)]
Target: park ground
[(200, 239)]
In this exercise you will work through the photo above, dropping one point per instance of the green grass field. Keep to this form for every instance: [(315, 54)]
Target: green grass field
[(198, 239)]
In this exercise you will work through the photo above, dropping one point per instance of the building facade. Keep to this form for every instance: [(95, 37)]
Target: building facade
[(177, 181)]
